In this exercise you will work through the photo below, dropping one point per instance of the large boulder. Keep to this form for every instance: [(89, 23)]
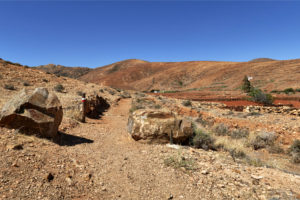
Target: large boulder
[(35, 113), (157, 126)]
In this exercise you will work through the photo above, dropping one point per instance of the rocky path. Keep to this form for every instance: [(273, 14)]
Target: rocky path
[(114, 166)]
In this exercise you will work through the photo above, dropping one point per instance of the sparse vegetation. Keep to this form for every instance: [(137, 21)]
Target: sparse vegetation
[(59, 88), (202, 140), (237, 153), (294, 151), (187, 103), (240, 133), (263, 139), (286, 91), (178, 162), (289, 90), (45, 80), (221, 130), (9, 87)]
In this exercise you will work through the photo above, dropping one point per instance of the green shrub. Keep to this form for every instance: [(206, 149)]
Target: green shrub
[(289, 90), (221, 129), (59, 88), (9, 87), (263, 139), (202, 140), (240, 133), (297, 90), (295, 151), (187, 103), (261, 97)]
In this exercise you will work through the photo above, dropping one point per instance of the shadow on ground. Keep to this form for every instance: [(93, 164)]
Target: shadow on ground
[(72, 140)]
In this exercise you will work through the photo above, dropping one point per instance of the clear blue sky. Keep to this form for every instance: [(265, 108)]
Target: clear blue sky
[(94, 33)]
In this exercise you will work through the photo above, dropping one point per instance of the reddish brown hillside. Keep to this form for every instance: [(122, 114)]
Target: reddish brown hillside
[(197, 75)]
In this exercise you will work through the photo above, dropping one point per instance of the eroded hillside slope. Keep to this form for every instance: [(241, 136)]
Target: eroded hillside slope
[(198, 75)]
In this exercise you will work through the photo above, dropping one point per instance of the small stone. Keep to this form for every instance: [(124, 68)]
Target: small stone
[(49, 177), (204, 172), (15, 164), (104, 189), (171, 197), (18, 147), (69, 181)]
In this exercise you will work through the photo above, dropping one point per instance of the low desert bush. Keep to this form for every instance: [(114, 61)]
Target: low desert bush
[(187, 103), (59, 88), (221, 130), (289, 90), (237, 153), (202, 140), (240, 133), (259, 96), (297, 90), (294, 151), (9, 87), (180, 162), (236, 148), (263, 139)]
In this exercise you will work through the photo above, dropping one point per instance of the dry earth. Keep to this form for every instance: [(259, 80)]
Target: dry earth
[(100, 161)]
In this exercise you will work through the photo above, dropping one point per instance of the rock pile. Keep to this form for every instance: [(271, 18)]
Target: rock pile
[(95, 106), (282, 110)]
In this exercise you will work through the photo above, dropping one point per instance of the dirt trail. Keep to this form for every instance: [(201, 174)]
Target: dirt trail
[(122, 167)]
